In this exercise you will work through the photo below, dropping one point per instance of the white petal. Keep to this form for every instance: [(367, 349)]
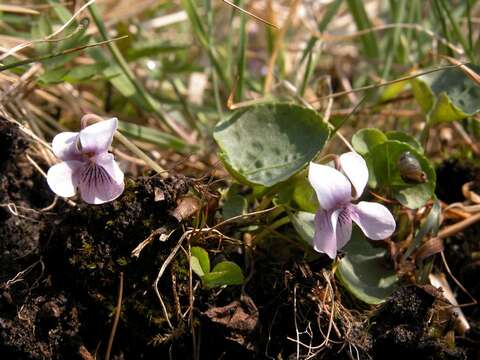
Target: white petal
[(63, 178), (356, 170), (325, 240), (343, 230), (97, 138), (374, 219), (331, 186), (64, 146)]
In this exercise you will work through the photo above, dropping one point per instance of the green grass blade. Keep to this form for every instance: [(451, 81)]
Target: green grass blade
[(155, 106), (456, 29), (392, 46), (202, 35), (331, 11), (362, 21)]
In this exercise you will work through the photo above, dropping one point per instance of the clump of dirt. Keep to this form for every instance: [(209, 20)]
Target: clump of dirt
[(20, 193), (400, 328), (462, 250), (60, 268), (54, 320), (462, 254), (87, 248), (34, 322)]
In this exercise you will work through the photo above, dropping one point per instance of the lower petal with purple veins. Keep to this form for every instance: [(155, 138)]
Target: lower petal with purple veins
[(97, 186), (107, 161), (375, 220), (344, 226), (325, 240)]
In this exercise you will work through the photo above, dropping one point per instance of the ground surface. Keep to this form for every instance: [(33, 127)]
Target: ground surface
[(60, 279)]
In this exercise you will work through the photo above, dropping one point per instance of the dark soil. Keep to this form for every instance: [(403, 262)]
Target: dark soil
[(462, 251), (451, 175), (60, 276), (401, 327)]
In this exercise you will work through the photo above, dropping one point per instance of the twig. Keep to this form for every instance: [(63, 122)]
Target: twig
[(386, 83), (59, 30), (459, 284), (162, 270), (243, 216), (251, 14), (459, 226), (295, 320), (117, 317)]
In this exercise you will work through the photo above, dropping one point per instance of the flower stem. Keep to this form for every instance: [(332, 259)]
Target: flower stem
[(134, 149), (128, 144)]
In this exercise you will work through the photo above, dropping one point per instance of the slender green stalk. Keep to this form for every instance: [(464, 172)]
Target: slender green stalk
[(456, 30), (278, 223), (117, 55), (330, 12), (188, 114), (437, 10), (392, 48), (210, 42), (202, 36), (362, 21), (134, 149)]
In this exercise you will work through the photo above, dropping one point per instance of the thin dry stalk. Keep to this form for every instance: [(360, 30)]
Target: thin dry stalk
[(116, 319)]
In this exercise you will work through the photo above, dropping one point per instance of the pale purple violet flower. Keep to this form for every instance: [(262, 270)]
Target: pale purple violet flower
[(86, 163), (335, 191)]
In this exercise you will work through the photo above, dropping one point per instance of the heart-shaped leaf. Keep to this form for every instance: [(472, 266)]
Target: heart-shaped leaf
[(364, 271), (224, 273), (269, 143), (448, 95)]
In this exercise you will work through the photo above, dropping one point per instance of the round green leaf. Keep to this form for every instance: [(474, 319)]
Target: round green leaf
[(406, 138), (363, 271), (382, 162), (200, 261), (365, 139), (224, 273), (269, 143), (304, 224), (233, 204)]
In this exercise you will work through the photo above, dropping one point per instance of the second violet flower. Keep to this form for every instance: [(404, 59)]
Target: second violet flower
[(86, 163), (336, 189)]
